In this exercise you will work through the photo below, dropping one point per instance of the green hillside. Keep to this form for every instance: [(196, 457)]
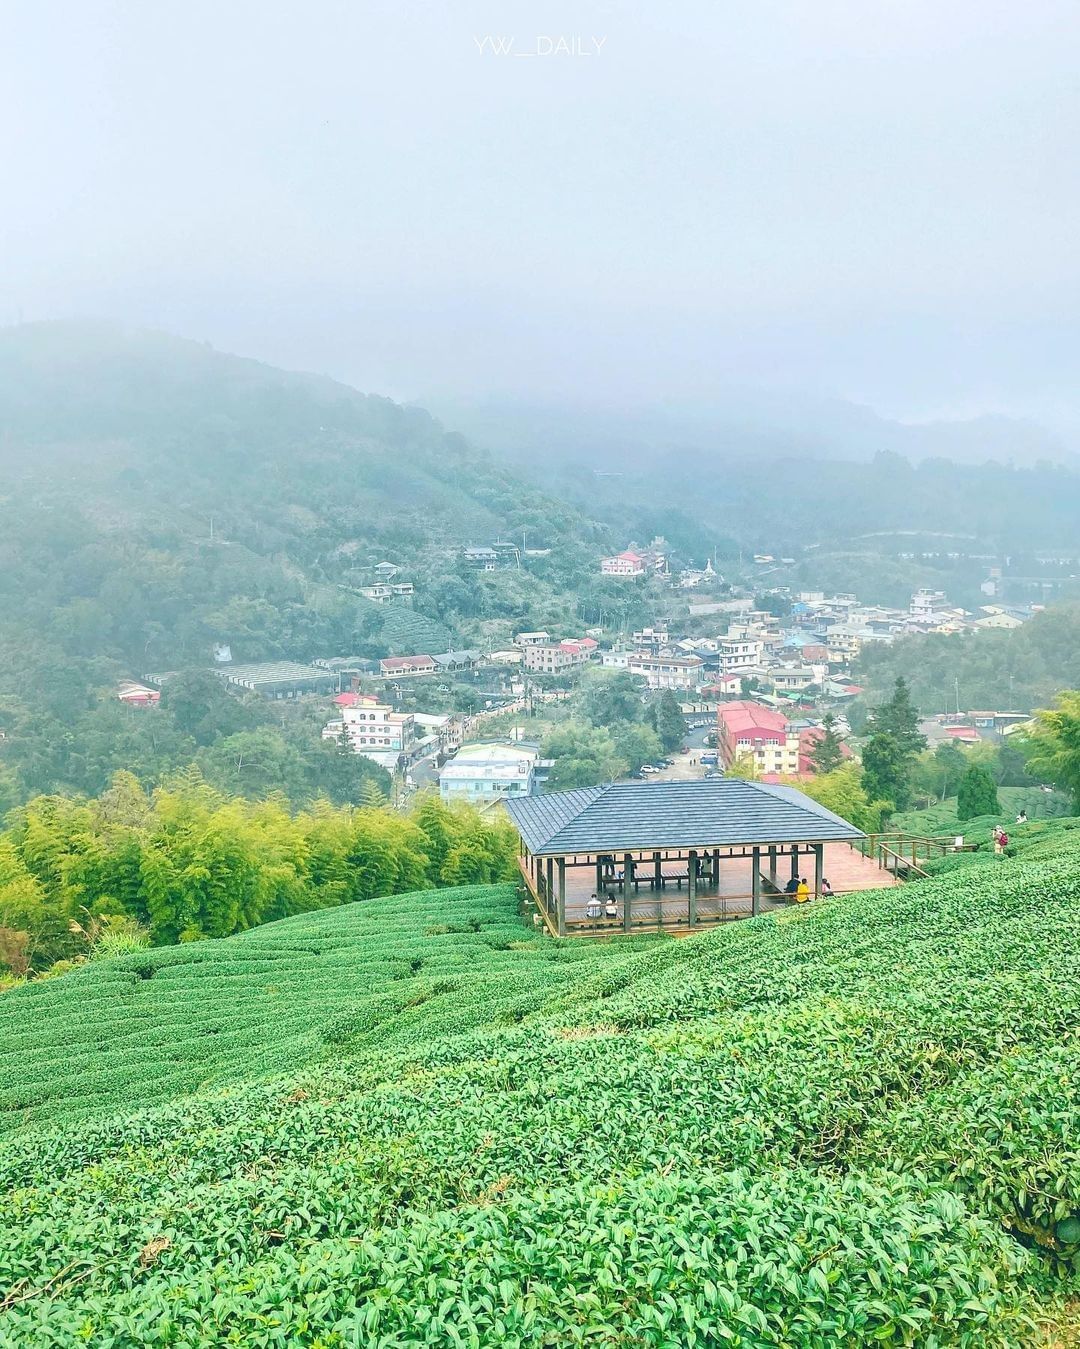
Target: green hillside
[(158, 498), (417, 1122)]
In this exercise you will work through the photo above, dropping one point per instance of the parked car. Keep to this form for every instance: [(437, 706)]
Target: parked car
[(649, 768), (638, 776)]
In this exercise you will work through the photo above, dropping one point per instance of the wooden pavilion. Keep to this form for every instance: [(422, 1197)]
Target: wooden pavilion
[(675, 855)]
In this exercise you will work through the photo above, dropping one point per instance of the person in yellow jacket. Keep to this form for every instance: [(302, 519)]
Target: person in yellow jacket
[(802, 894)]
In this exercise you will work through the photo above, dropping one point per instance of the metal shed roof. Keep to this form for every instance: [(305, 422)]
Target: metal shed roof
[(632, 817)]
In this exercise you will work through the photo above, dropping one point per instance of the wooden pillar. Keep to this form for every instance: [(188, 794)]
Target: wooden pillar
[(599, 875), (819, 868), (772, 865), (562, 896), (716, 868), (691, 886), (755, 881), (658, 872), (795, 861), (550, 884), (627, 871)]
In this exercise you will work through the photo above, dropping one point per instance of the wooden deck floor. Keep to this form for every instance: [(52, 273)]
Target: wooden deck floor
[(668, 908)]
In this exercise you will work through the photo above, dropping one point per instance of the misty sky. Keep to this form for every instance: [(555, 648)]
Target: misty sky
[(875, 200)]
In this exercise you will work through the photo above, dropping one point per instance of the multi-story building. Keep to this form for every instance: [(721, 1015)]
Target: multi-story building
[(372, 728), (485, 774), (532, 639), (739, 653), (658, 671), (623, 564), (652, 637), (749, 730), (559, 657), (926, 602)]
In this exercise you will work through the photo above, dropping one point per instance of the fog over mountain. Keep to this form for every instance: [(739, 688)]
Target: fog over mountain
[(743, 424), (827, 204)]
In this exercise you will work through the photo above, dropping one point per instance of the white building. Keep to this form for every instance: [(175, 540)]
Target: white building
[(372, 728), (740, 653), (485, 774), (925, 603), (658, 671)]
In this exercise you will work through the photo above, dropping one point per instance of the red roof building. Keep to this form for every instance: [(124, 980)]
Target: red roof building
[(623, 564), (746, 729), (401, 666)]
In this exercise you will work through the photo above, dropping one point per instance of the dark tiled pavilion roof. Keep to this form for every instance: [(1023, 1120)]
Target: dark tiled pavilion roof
[(637, 817)]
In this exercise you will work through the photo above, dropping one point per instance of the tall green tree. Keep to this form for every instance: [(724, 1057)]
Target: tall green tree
[(899, 716), (889, 755), (828, 751), (670, 724), (636, 744), (886, 771), (1053, 744), (977, 794), (608, 698)]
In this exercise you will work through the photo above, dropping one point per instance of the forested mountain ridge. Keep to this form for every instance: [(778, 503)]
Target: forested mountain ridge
[(158, 497)]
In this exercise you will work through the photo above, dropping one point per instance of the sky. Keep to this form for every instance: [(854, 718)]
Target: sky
[(612, 203)]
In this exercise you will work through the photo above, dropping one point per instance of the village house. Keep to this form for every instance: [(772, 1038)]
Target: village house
[(137, 695), (372, 728), (451, 661), (532, 639), (407, 667), (739, 653), (483, 559), (386, 592), (999, 616), (658, 671), (623, 564), (559, 657)]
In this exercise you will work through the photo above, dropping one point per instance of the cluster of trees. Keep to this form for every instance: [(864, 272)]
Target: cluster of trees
[(1053, 744), (59, 741), (898, 769), (1019, 668), (892, 748), (613, 729), (186, 862)]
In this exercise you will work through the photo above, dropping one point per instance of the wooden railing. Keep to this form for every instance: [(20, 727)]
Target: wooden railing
[(903, 854)]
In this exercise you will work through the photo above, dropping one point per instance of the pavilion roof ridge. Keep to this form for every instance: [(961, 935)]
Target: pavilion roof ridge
[(641, 817)]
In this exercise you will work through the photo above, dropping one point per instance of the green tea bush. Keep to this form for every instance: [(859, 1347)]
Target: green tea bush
[(417, 1122)]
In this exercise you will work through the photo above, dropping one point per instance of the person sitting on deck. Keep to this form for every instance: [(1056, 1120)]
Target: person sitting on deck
[(593, 909), (611, 909), (826, 888), (802, 891), (792, 886)]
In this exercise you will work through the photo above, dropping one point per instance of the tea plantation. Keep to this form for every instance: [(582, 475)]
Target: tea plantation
[(415, 1122)]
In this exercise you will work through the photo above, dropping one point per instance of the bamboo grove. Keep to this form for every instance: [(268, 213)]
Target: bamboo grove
[(186, 862)]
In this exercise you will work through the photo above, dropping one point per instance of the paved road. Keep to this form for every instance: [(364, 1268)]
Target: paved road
[(686, 766)]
